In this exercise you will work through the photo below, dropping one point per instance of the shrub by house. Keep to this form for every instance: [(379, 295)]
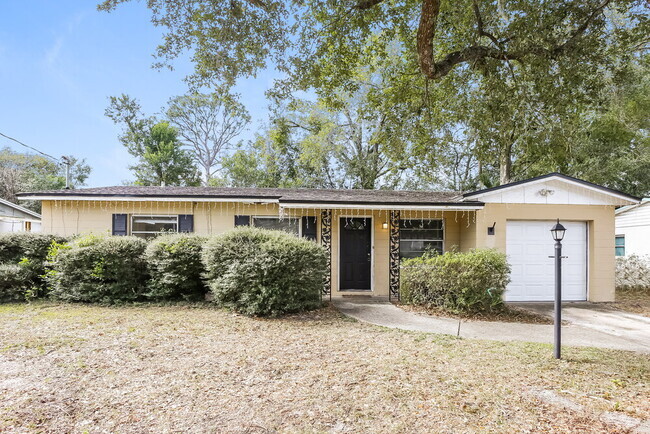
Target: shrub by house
[(22, 263), (175, 267), (265, 273), (98, 269), (633, 273), (456, 282)]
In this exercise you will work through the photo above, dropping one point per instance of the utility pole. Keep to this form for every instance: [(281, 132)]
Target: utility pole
[(67, 162)]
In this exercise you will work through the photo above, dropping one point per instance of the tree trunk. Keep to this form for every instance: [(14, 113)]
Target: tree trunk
[(505, 165), (425, 34)]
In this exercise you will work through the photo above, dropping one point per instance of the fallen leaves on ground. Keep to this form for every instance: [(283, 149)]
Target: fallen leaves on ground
[(75, 368)]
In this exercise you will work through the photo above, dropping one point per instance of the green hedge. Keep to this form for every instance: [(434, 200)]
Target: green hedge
[(264, 273), (456, 282), (175, 267), (15, 282), (24, 254), (98, 269)]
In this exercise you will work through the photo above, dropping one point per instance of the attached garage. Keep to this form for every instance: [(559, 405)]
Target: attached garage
[(529, 245), (516, 219)]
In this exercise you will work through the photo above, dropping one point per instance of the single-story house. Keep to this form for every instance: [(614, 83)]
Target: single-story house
[(366, 232), (15, 218), (633, 229)]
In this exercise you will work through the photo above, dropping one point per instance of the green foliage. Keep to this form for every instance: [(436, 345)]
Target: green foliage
[(260, 272), (281, 159), (175, 267), (15, 282), (615, 147), (456, 282), (514, 86), (22, 172), (98, 269), (29, 252), (161, 158)]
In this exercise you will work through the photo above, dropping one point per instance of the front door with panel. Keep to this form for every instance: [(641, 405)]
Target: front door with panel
[(355, 254)]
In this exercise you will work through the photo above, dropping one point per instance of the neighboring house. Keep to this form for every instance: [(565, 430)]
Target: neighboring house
[(633, 229), (15, 218), (366, 232)]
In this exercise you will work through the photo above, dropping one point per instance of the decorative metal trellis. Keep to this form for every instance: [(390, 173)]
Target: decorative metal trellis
[(326, 241), (393, 282)]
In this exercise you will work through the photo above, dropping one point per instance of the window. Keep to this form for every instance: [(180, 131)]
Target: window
[(419, 236), (291, 225), (620, 245), (149, 226)]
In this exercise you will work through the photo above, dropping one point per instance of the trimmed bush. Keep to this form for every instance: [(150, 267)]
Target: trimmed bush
[(15, 282), (633, 273), (28, 251), (456, 282), (264, 273), (98, 269), (175, 267)]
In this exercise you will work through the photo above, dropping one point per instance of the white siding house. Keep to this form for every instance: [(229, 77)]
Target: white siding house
[(15, 218), (633, 229)]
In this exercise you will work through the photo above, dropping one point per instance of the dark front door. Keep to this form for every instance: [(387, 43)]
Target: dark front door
[(355, 253)]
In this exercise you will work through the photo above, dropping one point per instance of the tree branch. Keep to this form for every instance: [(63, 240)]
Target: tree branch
[(426, 33), (366, 4), (434, 70)]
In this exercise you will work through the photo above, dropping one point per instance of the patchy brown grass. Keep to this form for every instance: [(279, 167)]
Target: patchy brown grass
[(633, 301), (72, 368), (507, 314)]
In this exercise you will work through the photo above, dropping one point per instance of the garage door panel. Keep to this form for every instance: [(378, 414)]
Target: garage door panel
[(529, 245)]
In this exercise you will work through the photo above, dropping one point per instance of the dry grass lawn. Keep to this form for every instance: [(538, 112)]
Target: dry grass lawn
[(75, 368)]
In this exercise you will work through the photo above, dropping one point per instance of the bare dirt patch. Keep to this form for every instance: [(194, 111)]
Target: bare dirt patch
[(506, 314), (71, 368), (633, 301)]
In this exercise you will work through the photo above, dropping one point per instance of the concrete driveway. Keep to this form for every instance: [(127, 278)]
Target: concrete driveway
[(602, 318), (590, 325)]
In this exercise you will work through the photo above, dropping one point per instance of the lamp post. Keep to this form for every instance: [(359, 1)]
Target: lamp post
[(557, 231)]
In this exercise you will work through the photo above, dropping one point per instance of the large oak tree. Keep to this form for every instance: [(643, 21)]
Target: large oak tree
[(515, 76)]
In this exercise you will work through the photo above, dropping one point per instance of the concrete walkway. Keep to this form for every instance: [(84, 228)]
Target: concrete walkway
[(605, 329)]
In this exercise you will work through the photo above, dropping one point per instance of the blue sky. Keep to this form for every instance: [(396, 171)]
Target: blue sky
[(61, 60)]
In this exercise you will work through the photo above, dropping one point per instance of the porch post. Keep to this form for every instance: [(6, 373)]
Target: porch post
[(393, 280), (326, 241)]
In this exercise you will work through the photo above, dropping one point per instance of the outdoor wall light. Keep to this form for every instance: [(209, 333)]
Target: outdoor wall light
[(558, 231), (491, 229), (384, 225)]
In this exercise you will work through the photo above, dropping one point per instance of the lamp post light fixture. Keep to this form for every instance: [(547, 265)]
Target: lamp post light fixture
[(557, 231)]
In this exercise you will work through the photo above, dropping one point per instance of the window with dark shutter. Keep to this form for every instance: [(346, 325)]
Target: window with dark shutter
[(119, 224), (309, 228), (185, 223), (242, 220)]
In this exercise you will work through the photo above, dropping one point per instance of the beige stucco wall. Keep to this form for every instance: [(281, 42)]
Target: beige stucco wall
[(600, 221), (81, 217)]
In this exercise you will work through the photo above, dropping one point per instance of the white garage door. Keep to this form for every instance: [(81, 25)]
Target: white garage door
[(529, 245)]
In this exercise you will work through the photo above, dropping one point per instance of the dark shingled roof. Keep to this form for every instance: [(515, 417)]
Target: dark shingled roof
[(284, 195)]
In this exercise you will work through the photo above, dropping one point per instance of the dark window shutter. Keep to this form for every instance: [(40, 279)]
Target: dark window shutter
[(309, 228), (242, 220), (119, 224), (185, 223)]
